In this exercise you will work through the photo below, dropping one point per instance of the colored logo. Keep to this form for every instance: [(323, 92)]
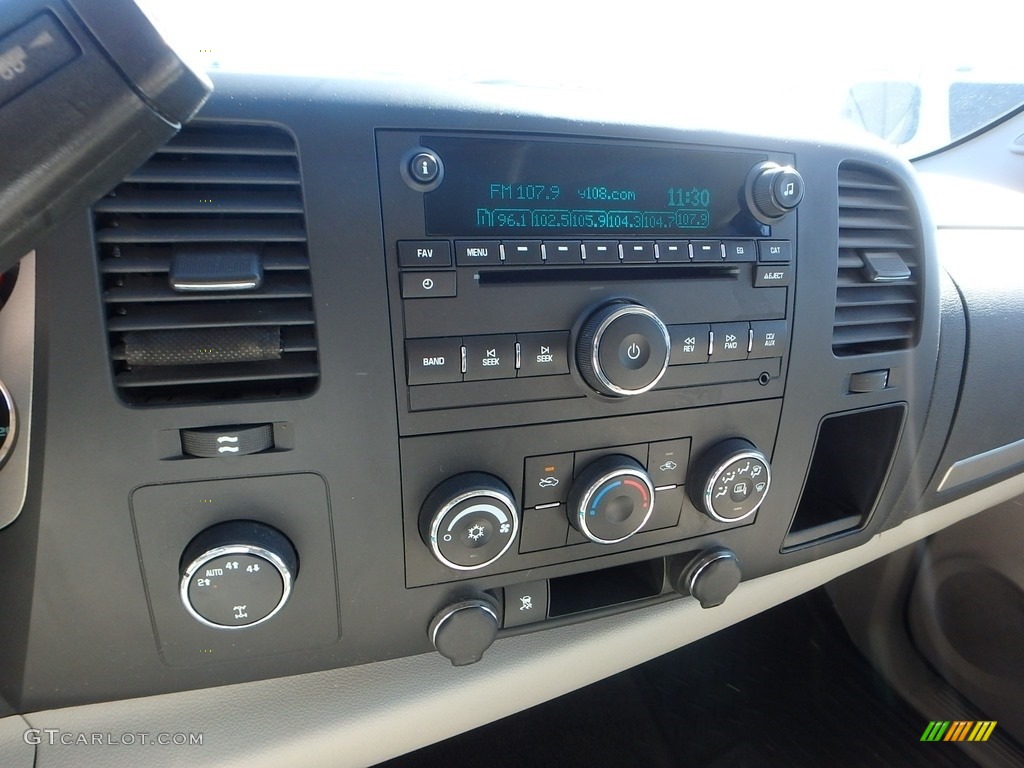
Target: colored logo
[(959, 730)]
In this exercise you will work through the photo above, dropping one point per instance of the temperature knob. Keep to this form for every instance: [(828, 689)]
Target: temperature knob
[(469, 521), (237, 574), (622, 349), (611, 499), (773, 191), (730, 481)]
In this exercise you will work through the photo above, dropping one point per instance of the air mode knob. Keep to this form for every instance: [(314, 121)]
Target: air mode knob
[(773, 191), (611, 499), (237, 574), (622, 349), (730, 481), (469, 521)]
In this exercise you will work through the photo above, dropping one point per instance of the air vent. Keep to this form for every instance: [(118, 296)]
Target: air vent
[(205, 271), (878, 292)]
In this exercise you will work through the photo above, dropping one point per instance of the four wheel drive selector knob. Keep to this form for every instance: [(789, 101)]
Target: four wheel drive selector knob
[(622, 349), (730, 481), (237, 574), (611, 499), (469, 521)]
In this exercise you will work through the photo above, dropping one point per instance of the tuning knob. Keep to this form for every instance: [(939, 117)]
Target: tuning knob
[(773, 191), (611, 499), (462, 631), (469, 521), (730, 481), (622, 349), (237, 574)]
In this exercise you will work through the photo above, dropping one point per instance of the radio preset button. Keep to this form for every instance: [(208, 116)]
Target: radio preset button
[(477, 253), (673, 251), (433, 361), (707, 250), (428, 285), (522, 252), (689, 343), (490, 357), (740, 250), (772, 275), (543, 354), (637, 252), (563, 252), (429, 254), (769, 338), (601, 251), (730, 341)]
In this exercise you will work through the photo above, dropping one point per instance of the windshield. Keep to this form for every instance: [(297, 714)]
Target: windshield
[(916, 75)]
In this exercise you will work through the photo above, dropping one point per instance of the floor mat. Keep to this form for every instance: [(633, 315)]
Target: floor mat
[(784, 688)]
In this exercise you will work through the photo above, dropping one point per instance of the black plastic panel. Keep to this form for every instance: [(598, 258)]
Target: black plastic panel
[(380, 448)]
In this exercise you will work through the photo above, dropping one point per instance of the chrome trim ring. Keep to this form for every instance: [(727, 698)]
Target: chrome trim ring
[(501, 497), (236, 549), (595, 344), (12, 424), (449, 611), (581, 509), (713, 478)]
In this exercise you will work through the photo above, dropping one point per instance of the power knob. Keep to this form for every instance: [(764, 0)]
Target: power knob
[(730, 481), (773, 190), (622, 349), (469, 521)]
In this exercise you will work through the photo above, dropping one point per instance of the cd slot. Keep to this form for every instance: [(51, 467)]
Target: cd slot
[(618, 273)]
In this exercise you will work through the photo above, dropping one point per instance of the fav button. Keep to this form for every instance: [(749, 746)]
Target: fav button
[(490, 357), (424, 254)]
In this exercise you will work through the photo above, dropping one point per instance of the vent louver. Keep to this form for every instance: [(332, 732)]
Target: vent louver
[(878, 290), (218, 195)]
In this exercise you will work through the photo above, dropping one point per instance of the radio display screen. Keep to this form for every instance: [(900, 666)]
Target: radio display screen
[(511, 187)]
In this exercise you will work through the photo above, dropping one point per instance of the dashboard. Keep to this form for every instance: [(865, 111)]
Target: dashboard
[(349, 381)]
